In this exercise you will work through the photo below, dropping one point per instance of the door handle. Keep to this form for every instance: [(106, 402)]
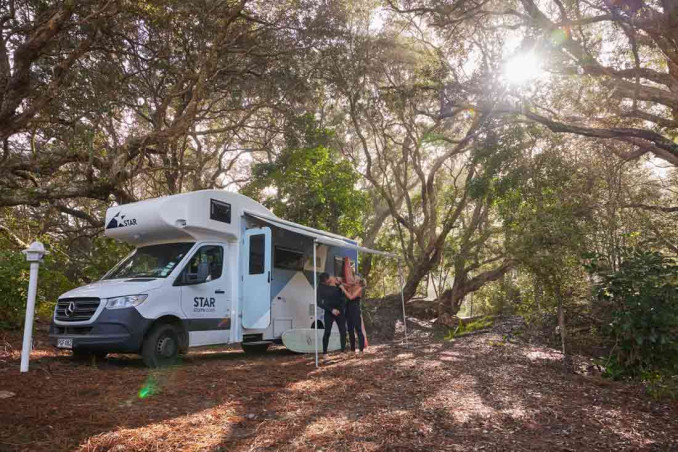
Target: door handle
[(269, 276), (219, 291)]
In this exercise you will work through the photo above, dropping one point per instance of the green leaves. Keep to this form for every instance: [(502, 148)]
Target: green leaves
[(644, 297), (310, 183)]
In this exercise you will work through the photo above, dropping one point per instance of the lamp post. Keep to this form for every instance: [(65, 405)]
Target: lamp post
[(34, 255)]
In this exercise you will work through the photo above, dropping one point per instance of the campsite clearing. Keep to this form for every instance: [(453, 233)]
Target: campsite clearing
[(477, 393)]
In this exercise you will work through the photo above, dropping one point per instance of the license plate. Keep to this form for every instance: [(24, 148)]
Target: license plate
[(64, 343)]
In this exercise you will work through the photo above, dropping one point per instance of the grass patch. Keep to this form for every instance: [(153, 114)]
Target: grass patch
[(466, 327)]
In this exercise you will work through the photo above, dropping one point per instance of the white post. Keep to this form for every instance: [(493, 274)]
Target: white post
[(34, 255), (315, 302), (402, 299)]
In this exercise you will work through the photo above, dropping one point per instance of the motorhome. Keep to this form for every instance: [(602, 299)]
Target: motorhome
[(209, 267)]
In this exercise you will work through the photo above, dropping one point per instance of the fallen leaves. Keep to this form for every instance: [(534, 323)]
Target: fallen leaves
[(463, 396)]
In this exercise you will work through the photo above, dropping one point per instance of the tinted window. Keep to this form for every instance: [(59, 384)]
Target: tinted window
[(288, 259), (220, 211), (208, 259), (155, 261), (257, 247)]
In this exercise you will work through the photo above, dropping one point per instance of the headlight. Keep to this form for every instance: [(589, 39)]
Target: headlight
[(127, 301)]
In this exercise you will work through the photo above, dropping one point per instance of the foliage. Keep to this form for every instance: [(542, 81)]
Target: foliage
[(63, 269), (503, 296), (102, 255), (14, 276), (353, 125), (310, 183), (469, 326), (661, 386), (642, 297)]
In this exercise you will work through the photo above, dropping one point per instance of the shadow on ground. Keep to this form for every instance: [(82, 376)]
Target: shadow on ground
[(476, 393)]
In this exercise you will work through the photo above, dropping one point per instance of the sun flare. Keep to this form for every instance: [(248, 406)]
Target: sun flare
[(522, 68)]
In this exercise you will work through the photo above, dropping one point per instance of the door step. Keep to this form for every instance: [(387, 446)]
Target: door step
[(257, 342)]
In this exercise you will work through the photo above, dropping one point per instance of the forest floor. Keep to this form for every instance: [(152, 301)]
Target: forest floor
[(476, 393)]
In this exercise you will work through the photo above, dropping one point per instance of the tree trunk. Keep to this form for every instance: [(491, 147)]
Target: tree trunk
[(449, 302), (567, 358), (366, 261), (462, 286), (418, 273)]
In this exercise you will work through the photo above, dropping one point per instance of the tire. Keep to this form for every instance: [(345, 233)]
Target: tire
[(161, 346), (255, 349)]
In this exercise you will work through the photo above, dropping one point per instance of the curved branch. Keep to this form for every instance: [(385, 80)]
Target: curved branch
[(651, 208)]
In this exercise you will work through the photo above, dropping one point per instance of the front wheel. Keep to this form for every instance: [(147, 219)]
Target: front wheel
[(161, 346)]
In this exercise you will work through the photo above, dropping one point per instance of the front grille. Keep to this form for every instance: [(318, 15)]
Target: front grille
[(72, 330), (80, 310)]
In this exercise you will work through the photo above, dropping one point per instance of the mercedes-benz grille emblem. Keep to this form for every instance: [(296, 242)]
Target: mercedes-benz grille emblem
[(70, 309)]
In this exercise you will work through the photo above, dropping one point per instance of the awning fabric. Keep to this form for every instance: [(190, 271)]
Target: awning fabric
[(319, 236)]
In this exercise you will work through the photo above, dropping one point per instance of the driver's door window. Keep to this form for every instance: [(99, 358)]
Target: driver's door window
[(205, 265)]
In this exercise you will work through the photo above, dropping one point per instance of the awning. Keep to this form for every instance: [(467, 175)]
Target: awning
[(329, 239), (319, 236)]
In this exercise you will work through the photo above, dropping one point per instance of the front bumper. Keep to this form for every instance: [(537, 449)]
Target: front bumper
[(114, 331)]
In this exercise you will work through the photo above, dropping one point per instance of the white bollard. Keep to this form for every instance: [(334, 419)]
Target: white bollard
[(34, 255)]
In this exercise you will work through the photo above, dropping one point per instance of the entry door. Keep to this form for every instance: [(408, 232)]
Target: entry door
[(256, 309)]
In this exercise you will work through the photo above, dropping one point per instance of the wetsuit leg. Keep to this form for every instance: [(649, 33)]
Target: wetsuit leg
[(351, 326), (329, 320), (355, 325)]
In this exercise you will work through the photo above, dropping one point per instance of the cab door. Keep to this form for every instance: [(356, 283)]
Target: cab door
[(256, 286), (204, 298)]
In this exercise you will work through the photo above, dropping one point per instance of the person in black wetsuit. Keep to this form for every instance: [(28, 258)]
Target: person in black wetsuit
[(354, 320), (353, 315), (331, 300)]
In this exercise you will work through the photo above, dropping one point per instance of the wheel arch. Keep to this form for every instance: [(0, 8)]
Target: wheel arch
[(175, 321)]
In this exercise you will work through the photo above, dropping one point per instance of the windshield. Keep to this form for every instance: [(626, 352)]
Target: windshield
[(155, 261)]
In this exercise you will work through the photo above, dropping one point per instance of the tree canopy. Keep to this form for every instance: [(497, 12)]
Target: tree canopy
[(489, 143)]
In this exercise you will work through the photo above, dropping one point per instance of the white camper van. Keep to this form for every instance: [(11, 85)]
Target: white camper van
[(210, 267)]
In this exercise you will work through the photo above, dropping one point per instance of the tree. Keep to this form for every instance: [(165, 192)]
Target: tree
[(545, 213), (310, 182), (408, 151), (169, 98), (615, 70)]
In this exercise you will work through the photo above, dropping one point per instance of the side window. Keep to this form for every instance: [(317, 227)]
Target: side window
[(220, 211), (205, 265), (257, 247), (288, 259)]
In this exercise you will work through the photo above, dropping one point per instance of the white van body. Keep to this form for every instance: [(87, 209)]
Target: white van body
[(215, 265)]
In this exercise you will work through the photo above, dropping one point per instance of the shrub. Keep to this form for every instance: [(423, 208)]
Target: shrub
[(14, 275), (643, 300)]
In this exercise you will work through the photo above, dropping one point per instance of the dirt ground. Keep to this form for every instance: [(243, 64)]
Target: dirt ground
[(474, 394)]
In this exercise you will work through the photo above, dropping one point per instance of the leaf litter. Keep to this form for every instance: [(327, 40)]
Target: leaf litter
[(466, 395)]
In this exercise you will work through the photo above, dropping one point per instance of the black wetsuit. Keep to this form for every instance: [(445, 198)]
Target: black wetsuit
[(355, 324), (329, 298)]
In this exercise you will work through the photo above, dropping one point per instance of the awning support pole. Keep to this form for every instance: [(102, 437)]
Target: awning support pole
[(315, 301), (402, 299)]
